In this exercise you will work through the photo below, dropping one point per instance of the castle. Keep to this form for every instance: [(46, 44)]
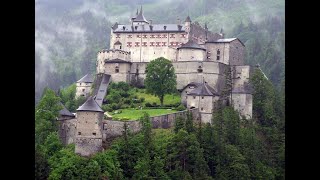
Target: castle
[(199, 56)]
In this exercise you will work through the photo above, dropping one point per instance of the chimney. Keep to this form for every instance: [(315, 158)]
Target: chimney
[(150, 22), (178, 21)]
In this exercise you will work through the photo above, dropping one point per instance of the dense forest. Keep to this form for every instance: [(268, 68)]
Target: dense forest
[(68, 34), (229, 148)]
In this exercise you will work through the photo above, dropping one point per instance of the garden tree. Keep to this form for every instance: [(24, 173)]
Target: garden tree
[(130, 149), (232, 125), (219, 138), (270, 122), (109, 164), (46, 113), (185, 157), (146, 130), (41, 166), (179, 123), (142, 168), (65, 164), (160, 78), (189, 123), (52, 144), (234, 166), (227, 88), (208, 145)]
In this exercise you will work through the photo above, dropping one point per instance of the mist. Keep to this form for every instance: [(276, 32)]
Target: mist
[(68, 34)]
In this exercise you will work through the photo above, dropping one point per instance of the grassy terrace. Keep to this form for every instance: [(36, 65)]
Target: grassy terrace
[(133, 114), (168, 99)]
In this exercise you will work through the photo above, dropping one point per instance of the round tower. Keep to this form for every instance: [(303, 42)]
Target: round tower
[(88, 139)]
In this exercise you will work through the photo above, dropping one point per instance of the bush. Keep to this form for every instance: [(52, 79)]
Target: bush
[(115, 106), (142, 99), (148, 104), (127, 101), (177, 104), (132, 106), (180, 107), (154, 104)]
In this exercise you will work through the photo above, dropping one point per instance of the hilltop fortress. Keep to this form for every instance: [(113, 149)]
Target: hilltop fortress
[(199, 56)]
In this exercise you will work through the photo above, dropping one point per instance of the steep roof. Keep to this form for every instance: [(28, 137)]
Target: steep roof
[(90, 105), (203, 90), (116, 61), (149, 28), (65, 111), (188, 19), (191, 84), (117, 43), (86, 79), (227, 40), (191, 45), (140, 17)]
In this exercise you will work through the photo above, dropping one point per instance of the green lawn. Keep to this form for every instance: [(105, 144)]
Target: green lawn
[(168, 99), (133, 114)]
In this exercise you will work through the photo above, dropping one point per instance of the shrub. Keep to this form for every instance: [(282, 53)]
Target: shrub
[(154, 104), (127, 101), (180, 107), (142, 99), (148, 104)]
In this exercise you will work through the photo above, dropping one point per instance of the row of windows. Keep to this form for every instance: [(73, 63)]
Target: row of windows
[(152, 44), (79, 133), (153, 36)]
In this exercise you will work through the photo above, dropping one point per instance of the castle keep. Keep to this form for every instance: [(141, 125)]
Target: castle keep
[(196, 53), (199, 56)]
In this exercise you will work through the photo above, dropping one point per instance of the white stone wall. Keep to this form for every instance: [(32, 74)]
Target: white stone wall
[(150, 45), (83, 89), (110, 54), (212, 49), (191, 55), (89, 123), (241, 76), (122, 75), (243, 104), (237, 52), (88, 138), (188, 72)]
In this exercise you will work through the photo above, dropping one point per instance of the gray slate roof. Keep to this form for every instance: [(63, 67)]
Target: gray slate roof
[(65, 111), (116, 61), (90, 105), (86, 79), (227, 40), (204, 90), (117, 43), (191, 45), (146, 28), (188, 19), (140, 17), (191, 84)]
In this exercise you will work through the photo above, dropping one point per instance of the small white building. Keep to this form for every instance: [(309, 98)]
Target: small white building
[(203, 97), (84, 86)]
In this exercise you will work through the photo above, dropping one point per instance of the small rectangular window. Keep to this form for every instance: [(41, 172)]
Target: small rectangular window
[(79, 133), (202, 97), (194, 97), (94, 133), (202, 109)]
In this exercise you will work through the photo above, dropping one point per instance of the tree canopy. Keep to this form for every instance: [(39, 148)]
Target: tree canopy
[(161, 78)]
